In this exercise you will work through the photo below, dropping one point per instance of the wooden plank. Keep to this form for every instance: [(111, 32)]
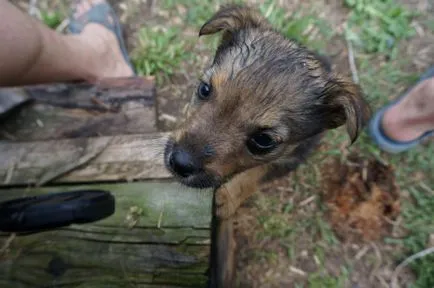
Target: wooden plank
[(117, 158), (168, 245), (110, 107), (222, 257), (10, 101), (224, 261), (10, 284), (181, 206), (67, 262)]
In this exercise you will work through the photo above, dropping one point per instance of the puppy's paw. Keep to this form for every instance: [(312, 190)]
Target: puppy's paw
[(226, 206)]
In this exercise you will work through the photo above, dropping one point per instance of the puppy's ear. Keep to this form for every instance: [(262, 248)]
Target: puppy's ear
[(345, 104), (232, 18)]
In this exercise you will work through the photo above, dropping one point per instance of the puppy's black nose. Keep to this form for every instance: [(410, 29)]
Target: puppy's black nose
[(183, 163)]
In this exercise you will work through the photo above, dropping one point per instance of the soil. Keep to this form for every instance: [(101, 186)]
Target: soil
[(362, 197), (363, 205)]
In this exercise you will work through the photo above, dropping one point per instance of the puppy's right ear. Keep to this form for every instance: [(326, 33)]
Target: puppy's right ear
[(233, 18), (345, 104)]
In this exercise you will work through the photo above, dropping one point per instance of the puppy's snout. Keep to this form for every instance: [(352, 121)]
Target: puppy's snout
[(183, 163)]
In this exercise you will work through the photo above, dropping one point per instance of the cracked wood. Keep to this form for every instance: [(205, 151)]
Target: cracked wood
[(117, 158), (111, 252)]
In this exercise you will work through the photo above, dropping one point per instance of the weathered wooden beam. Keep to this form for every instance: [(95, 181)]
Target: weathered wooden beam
[(115, 106), (159, 235), (222, 254), (225, 253), (9, 284), (116, 158)]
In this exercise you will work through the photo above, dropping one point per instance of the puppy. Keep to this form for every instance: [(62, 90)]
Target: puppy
[(258, 110)]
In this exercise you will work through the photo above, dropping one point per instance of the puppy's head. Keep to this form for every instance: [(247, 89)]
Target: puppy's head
[(262, 96)]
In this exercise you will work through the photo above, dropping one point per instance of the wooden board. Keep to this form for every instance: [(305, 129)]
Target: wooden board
[(117, 158), (158, 235), (110, 107), (222, 253)]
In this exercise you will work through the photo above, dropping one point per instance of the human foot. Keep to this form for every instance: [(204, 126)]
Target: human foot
[(412, 116), (402, 124), (98, 32)]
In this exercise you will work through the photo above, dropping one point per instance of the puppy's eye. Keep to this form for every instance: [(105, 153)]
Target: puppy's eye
[(261, 143), (204, 91)]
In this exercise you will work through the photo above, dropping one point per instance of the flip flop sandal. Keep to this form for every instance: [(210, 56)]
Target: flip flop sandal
[(55, 210), (102, 14), (378, 135)]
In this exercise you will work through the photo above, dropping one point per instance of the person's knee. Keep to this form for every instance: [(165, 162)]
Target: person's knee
[(422, 100), (21, 46), (428, 88)]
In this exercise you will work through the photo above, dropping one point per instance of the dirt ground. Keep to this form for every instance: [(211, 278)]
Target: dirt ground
[(323, 225), (363, 205)]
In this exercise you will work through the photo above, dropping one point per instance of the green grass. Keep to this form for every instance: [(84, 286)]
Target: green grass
[(159, 52), (382, 83), (429, 23), (320, 229), (52, 13), (322, 279), (377, 26), (297, 26), (319, 280), (275, 225), (269, 256), (52, 18), (197, 12), (418, 217)]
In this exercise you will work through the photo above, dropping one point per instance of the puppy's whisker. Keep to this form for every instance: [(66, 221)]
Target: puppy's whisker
[(181, 188), (208, 182), (154, 153)]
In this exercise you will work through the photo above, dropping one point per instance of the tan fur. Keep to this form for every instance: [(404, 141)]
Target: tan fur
[(261, 81), (230, 196)]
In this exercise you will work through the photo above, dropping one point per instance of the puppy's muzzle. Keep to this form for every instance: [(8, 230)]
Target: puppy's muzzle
[(183, 164), (187, 167)]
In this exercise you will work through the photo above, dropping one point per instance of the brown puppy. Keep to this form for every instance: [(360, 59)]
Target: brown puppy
[(258, 110)]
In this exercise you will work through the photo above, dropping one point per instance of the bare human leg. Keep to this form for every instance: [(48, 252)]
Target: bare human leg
[(32, 53), (413, 116), (404, 123)]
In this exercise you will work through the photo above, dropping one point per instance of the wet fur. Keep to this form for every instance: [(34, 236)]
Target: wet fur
[(260, 79)]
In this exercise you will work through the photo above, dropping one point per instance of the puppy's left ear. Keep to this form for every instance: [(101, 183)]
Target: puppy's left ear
[(232, 18), (345, 104)]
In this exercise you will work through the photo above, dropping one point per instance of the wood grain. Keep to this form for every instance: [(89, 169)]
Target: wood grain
[(69, 110), (167, 245), (222, 249), (117, 158)]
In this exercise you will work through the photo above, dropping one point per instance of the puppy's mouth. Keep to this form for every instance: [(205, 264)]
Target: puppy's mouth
[(200, 179)]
